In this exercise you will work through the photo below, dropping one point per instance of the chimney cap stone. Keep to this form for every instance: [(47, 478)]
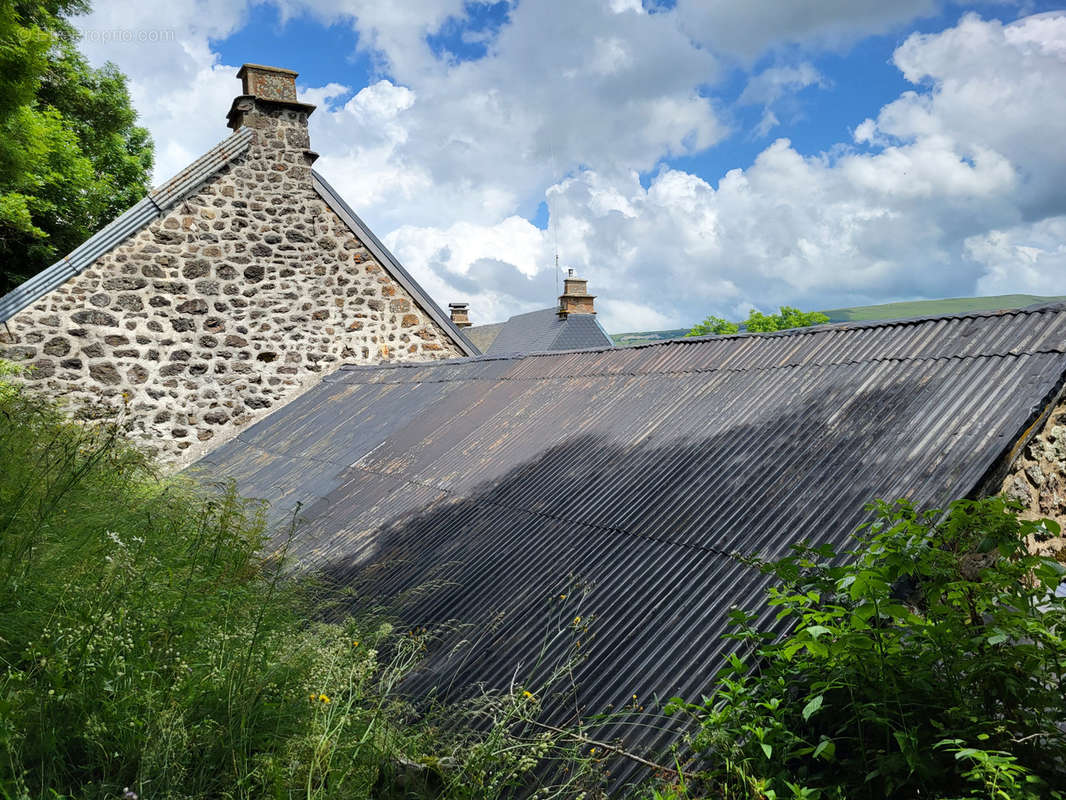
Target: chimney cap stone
[(268, 87), (268, 83)]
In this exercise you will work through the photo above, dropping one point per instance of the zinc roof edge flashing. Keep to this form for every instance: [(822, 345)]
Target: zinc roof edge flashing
[(390, 263), (150, 207)]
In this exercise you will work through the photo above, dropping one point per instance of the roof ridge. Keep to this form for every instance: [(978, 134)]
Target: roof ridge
[(685, 371), (687, 340)]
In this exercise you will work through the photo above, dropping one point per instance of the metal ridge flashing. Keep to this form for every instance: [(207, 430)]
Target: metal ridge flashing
[(687, 340), (154, 205), (390, 262)]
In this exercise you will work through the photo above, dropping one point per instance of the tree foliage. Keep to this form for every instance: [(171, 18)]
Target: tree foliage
[(757, 322), (928, 664), (71, 154)]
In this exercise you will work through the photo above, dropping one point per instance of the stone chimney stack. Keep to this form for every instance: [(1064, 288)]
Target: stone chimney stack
[(270, 107), (575, 298), (459, 315)]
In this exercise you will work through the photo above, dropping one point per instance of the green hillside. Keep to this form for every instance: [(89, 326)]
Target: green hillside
[(642, 337), (912, 308), (930, 308)]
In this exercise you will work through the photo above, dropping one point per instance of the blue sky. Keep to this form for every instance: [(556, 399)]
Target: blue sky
[(692, 158), (860, 78)]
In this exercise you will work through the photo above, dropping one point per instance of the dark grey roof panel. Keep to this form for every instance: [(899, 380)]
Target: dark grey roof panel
[(129, 222), (532, 332), (390, 262), (479, 490), (581, 331), (543, 331)]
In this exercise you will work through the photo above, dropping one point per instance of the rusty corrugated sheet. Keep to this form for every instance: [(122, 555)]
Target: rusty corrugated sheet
[(478, 490)]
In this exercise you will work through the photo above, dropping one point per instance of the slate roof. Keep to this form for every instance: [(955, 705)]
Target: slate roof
[(164, 197), (539, 331), (480, 490)]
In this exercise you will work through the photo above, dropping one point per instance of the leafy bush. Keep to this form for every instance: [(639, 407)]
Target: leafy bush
[(146, 642), (757, 322), (928, 662)]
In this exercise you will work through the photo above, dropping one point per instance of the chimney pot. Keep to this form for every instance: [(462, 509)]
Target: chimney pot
[(459, 314)]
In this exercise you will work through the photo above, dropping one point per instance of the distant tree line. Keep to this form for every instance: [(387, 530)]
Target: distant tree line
[(757, 322)]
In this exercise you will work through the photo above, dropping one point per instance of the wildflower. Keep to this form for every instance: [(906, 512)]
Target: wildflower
[(323, 698), (562, 597), (592, 752), (128, 794), (529, 696), (577, 620), (355, 642)]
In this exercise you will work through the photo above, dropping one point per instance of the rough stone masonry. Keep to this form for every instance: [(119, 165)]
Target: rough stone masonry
[(229, 305)]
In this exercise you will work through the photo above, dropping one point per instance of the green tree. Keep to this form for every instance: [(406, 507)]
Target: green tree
[(757, 322), (71, 154), (927, 662)]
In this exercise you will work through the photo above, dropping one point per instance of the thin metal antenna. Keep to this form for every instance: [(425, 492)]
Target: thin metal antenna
[(551, 212)]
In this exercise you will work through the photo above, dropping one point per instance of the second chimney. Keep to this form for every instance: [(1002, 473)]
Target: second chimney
[(575, 298), (459, 315)]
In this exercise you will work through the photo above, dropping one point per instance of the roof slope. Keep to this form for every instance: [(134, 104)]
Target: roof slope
[(492, 485), (539, 332), (482, 336)]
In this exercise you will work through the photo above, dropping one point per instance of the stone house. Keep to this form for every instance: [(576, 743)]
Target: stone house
[(226, 292)]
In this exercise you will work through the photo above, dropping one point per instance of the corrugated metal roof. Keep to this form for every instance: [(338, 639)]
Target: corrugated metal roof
[(479, 490), (158, 201), (541, 331)]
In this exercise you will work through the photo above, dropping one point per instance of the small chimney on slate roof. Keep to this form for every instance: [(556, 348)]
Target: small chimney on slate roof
[(459, 315), (269, 106), (575, 298)]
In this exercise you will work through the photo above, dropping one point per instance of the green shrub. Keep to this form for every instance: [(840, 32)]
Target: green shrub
[(150, 639), (757, 322), (927, 663)]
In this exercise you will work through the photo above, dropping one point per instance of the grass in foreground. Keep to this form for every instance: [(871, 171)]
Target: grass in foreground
[(146, 646)]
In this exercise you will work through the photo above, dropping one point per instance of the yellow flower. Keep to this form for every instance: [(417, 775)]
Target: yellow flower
[(323, 698), (562, 597), (577, 620), (592, 752), (528, 695), (355, 643)]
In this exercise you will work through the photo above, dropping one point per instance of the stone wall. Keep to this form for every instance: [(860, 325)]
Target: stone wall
[(1038, 480), (223, 309)]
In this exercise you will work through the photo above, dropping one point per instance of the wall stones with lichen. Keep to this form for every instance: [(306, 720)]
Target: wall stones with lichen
[(223, 309), (1038, 481)]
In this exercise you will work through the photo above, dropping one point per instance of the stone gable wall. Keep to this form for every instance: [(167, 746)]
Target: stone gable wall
[(1038, 481), (235, 301)]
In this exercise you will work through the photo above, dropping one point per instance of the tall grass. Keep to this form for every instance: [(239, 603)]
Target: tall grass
[(150, 645)]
